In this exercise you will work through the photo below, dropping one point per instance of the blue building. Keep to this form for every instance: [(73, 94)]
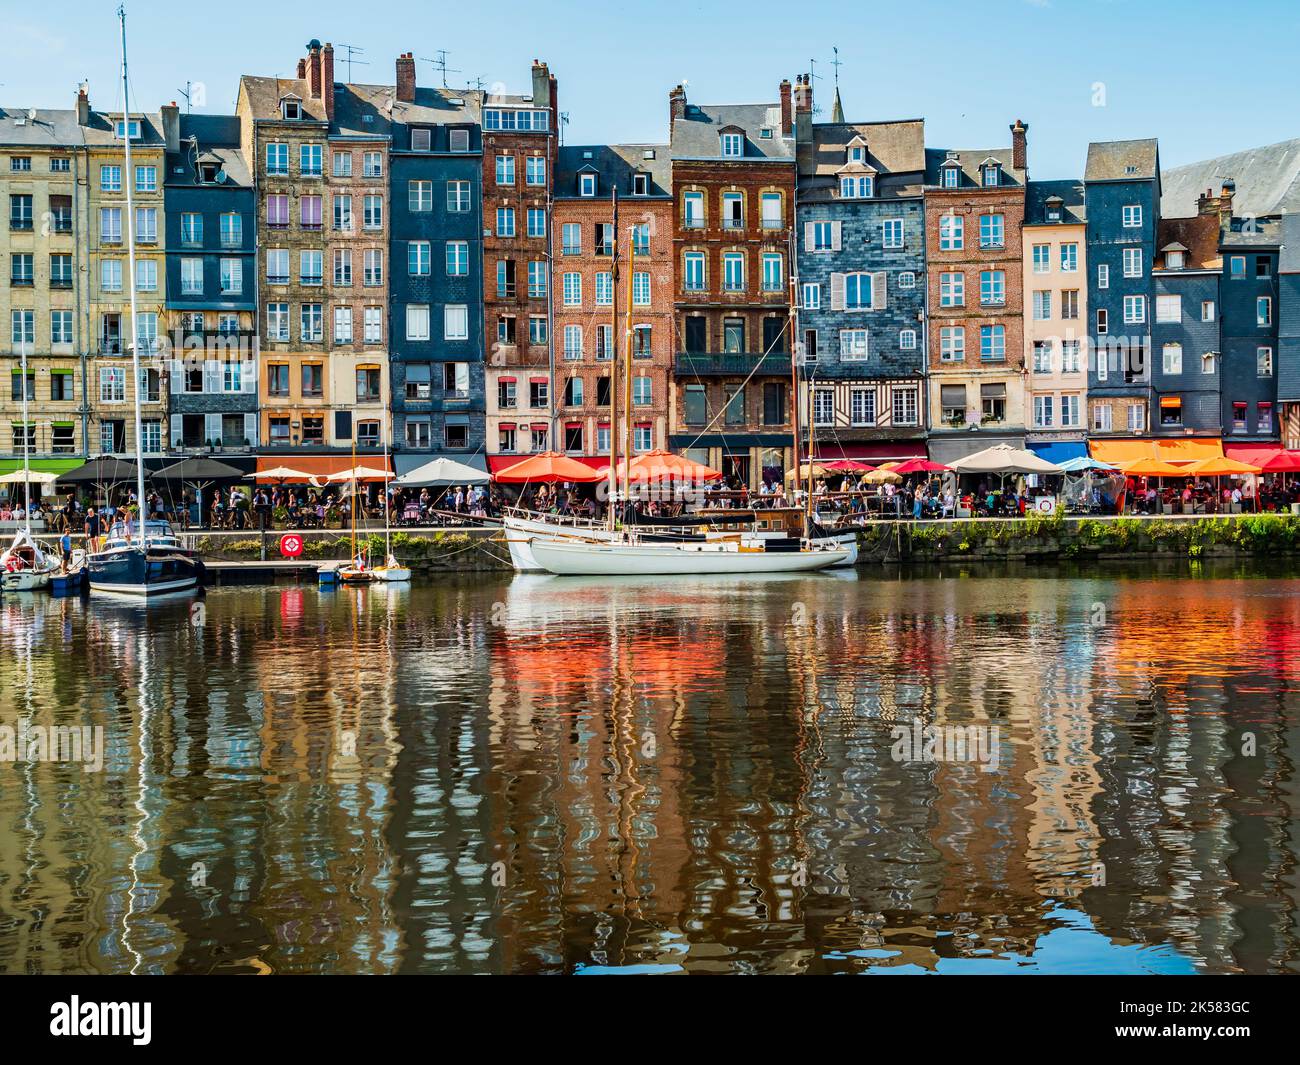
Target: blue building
[(1288, 356), (860, 251), (436, 160), (1249, 305), (1122, 201), (211, 235), (1186, 370)]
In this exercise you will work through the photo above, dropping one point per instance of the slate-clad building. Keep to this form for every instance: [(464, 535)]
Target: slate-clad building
[(1288, 357), (1122, 198), (1249, 299), (860, 240), (435, 286), (1186, 369), (211, 214)]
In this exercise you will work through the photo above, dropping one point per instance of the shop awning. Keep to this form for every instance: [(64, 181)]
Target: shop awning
[(1124, 453), (314, 468), (1268, 457), (1059, 451), (874, 452), (42, 465), (956, 446), (406, 462)]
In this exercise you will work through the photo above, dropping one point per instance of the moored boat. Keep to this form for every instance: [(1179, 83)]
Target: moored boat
[(24, 565), (144, 563), (571, 557)]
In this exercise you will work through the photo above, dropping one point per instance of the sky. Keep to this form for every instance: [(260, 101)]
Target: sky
[(1202, 76)]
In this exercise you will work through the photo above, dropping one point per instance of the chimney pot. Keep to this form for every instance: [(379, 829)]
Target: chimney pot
[(676, 106), (313, 69), (787, 114)]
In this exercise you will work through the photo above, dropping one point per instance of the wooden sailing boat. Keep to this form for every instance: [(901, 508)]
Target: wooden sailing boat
[(24, 566), (391, 572), (358, 570)]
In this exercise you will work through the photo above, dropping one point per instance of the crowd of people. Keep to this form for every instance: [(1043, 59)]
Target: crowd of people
[(1206, 496)]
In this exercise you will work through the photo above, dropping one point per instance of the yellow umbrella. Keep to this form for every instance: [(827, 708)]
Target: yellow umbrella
[(1154, 468), (881, 476), (1219, 467), (817, 470)]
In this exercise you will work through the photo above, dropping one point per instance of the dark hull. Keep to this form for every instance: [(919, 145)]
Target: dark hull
[(133, 571)]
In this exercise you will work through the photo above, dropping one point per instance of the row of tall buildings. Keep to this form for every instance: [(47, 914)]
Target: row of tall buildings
[(339, 266)]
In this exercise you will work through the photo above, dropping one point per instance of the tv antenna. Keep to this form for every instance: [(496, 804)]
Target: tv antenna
[(564, 121), (440, 64), (186, 93), (353, 50), (812, 77)]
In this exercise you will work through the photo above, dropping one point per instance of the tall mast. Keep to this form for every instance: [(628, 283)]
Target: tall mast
[(388, 428), (128, 179), (792, 325), (613, 373), (627, 366), (27, 449)]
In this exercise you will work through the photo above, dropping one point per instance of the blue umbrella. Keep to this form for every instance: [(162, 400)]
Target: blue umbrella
[(1083, 462)]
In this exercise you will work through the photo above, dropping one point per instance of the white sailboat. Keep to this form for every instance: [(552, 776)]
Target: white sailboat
[(391, 572)]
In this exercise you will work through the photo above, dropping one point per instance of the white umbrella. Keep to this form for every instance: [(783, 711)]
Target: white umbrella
[(31, 476), (360, 473), (1003, 458), (283, 473), (442, 472)]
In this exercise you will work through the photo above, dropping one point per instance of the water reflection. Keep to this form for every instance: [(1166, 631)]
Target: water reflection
[(541, 775)]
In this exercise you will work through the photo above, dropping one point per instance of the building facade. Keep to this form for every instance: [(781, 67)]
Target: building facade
[(733, 170), (974, 216), (1288, 371), (1122, 198), (1055, 270), (1249, 297), (591, 301), (861, 283), (519, 151)]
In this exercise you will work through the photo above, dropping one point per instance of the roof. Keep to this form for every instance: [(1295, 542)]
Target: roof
[(1289, 260), (1199, 235), (615, 163), (58, 128), (895, 150), (1268, 181), (970, 160), (1136, 160), (695, 134), (264, 96), (215, 139), (1252, 232), (1038, 193), (363, 110)]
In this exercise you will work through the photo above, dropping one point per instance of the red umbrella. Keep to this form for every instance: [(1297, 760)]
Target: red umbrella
[(921, 466), (847, 466), (550, 466)]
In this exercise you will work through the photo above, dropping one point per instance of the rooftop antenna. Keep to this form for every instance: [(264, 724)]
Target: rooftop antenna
[(186, 93), (814, 76), (564, 121), (352, 49), (440, 64)]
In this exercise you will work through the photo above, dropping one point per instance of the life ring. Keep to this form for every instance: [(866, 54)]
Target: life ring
[(11, 565)]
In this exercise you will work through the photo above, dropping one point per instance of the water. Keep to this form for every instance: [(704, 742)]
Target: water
[(562, 775)]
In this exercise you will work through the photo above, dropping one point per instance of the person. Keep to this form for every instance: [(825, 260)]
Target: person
[(918, 502), (92, 527), (65, 547)]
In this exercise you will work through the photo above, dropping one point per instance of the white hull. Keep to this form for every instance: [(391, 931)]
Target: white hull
[(141, 591), (26, 580), (391, 574), (591, 558)]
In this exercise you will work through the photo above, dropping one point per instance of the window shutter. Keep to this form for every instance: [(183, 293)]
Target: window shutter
[(248, 377), (808, 239), (174, 379), (837, 292), (250, 429), (879, 290), (212, 427), (836, 236), (178, 430)]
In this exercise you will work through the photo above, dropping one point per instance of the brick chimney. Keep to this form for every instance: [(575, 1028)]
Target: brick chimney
[(1019, 145), (313, 69), (676, 106), (1227, 192), (302, 69), (171, 126), (83, 104), (406, 78), (803, 94), (541, 84), (327, 78), (787, 113)]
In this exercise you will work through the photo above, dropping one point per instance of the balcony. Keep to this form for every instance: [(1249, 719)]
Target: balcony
[(733, 223), (731, 364), (773, 223)]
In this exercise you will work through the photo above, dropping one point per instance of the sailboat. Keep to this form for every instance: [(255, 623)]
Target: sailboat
[(358, 570), (645, 551), (391, 572), (140, 557), (24, 566)]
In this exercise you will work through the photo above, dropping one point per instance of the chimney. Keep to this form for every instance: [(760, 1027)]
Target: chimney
[(787, 115), (83, 104), (327, 79), (541, 85), (406, 78), (803, 94), (171, 126), (1019, 146), (676, 106), (1227, 192), (313, 69), (302, 69)]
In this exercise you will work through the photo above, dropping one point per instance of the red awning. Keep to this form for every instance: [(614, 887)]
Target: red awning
[(501, 462), (875, 452), (313, 468), (1268, 457)]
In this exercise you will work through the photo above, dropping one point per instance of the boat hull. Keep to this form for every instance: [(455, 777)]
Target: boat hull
[(392, 574), (139, 572), (574, 558), (26, 580)]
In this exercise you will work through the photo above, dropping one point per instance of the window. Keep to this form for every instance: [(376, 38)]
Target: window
[(192, 277), (856, 187), (312, 322), (290, 108), (110, 178), (770, 211), (372, 212), (1169, 308), (310, 159), (60, 165), (1137, 417), (733, 272), (951, 177), (373, 325), (907, 279), (1042, 356), (1132, 262), (372, 275), (505, 221), (110, 225), (824, 236), (313, 380), (572, 289), (343, 267), (812, 296), (419, 196), (1264, 310), (904, 403), (417, 321), (342, 163), (733, 210), (857, 292), (536, 222), (1070, 356), (586, 184), (20, 163), (604, 289), (1263, 267), (146, 179), (311, 267), (1103, 319), (853, 344), (112, 384), (952, 290), (457, 258), (992, 231), (110, 275), (573, 398), (823, 406), (733, 145), (1070, 303), (641, 287), (60, 270), (1263, 362), (862, 406), (277, 380), (23, 331), (505, 169), (952, 344), (993, 343), (537, 280), (458, 140), (993, 288), (572, 342), (1042, 303), (60, 329), (1103, 276), (342, 213), (1207, 362), (733, 335), (891, 233), (1101, 418), (372, 164), (1264, 417), (992, 175), (146, 275), (1042, 411), (21, 269), (1131, 215), (993, 402), (277, 160), (191, 228), (907, 339), (1042, 258), (951, 232), (535, 170), (1207, 310), (277, 321), (458, 197), (1070, 412), (1172, 359), (455, 322), (1135, 309), (419, 258), (1069, 261), (773, 273)]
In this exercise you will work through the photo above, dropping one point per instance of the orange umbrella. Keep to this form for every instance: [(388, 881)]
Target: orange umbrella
[(1219, 467), (1154, 468), (661, 465), (549, 467)]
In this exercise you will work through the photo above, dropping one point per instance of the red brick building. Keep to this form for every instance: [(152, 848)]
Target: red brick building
[(585, 293), (733, 206)]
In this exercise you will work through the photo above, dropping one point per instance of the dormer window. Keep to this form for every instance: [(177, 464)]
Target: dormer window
[(459, 140), (290, 108), (951, 177), (857, 187), (991, 175), (640, 184), (857, 154), (1174, 260), (1054, 205), (586, 184), (208, 173), (120, 128), (733, 145), (765, 133), (421, 140)]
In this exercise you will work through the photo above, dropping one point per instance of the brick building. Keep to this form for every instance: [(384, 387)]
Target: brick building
[(974, 212), (586, 292), (733, 169)]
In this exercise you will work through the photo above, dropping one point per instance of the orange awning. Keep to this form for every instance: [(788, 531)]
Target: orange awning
[(315, 468), (1123, 453)]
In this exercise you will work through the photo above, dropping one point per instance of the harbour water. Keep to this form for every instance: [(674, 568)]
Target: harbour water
[(549, 775)]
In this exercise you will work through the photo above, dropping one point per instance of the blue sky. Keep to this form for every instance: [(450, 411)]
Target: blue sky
[(1203, 77)]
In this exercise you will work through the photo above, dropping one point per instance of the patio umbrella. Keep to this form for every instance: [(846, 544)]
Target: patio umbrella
[(442, 472), (807, 471), (359, 473), (1282, 462), (31, 477), (661, 465), (198, 472), (104, 470), (1003, 458), (921, 466), (1218, 467), (882, 476), (849, 466), (550, 467), (1154, 468), (282, 474), (1083, 463)]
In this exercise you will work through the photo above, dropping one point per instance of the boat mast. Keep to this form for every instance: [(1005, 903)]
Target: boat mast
[(128, 180), (388, 531), (613, 372), (27, 450), (792, 324), (627, 366)]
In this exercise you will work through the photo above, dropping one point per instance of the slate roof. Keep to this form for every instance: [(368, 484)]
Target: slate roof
[(1289, 260), (895, 150), (363, 110), (970, 160), (216, 138), (1252, 233), (615, 163), (1037, 194), (264, 96), (695, 134), (58, 127), (1134, 160), (1199, 235), (1268, 181)]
